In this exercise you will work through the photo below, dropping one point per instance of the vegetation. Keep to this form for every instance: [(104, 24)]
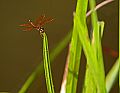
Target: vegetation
[(95, 80)]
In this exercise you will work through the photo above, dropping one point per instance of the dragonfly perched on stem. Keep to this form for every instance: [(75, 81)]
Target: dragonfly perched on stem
[(37, 24)]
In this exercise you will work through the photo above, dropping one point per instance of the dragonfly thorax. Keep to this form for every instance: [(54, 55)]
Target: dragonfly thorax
[(41, 29)]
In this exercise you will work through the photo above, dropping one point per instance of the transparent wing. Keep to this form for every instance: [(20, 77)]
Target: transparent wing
[(39, 19), (45, 21), (27, 29), (26, 25)]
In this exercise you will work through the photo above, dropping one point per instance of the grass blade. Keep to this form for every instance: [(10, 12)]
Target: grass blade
[(96, 44), (75, 52), (112, 76), (90, 54), (119, 44), (47, 68), (60, 46), (39, 69), (74, 64), (89, 82)]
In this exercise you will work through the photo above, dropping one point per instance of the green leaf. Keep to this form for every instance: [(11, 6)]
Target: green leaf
[(89, 82), (96, 44), (75, 50), (93, 52), (47, 67), (90, 55), (39, 69), (74, 64), (119, 45), (112, 76)]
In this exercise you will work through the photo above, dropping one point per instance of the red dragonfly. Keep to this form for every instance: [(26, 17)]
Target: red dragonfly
[(37, 24)]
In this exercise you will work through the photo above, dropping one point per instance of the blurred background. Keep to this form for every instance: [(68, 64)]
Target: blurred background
[(21, 52)]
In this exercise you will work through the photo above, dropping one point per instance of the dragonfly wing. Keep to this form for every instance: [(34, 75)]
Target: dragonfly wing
[(45, 21), (39, 19), (27, 29), (26, 25)]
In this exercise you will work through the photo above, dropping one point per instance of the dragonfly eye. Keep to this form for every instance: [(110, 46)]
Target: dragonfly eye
[(41, 29), (29, 20)]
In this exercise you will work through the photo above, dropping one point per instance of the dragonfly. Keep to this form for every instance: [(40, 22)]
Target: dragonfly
[(37, 24)]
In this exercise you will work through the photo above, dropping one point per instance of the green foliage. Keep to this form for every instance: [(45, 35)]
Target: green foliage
[(39, 69), (90, 84), (112, 76), (119, 45), (94, 81), (47, 67), (75, 50)]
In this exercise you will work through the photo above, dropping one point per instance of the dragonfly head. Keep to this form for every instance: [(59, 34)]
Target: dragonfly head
[(41, 29), (29, 20)]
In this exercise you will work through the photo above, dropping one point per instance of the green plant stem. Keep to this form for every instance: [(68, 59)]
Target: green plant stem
[(47, 67), (59, 47), (75, 50), (39, 69), (119, 45), (112, 76)]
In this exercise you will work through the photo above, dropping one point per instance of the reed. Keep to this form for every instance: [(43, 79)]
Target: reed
[(95, 80)]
